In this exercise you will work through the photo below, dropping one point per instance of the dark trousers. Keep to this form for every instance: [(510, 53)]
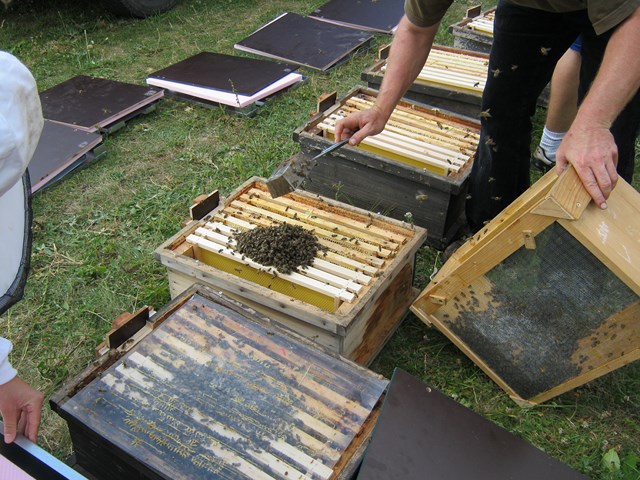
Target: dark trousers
[(527, 44)]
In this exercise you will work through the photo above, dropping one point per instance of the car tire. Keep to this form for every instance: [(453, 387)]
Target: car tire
[(138, 8)]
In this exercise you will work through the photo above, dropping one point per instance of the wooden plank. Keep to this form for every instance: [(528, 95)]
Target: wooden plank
[(180, 282), (454, 125), (334, 268), (368, 226), (567, 198), (294, 277), (396, 137), (374, 250), (337, 248), (288, 210), (613, 235), (443, 167), (323, 275), (318, 264)]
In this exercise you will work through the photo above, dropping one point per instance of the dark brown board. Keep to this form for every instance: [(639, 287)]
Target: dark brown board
[(422, 433), (375, 15), (304, 41), (95, 103), (227, 73), (61, 148)]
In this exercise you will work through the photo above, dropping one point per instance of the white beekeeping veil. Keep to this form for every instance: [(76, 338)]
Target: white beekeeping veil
[(20, 127)]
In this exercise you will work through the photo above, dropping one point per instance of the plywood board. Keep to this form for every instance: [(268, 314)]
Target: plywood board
[(375, 15), (61, 148), (304, 41), (94, 104), (422, 433), (234, 81)]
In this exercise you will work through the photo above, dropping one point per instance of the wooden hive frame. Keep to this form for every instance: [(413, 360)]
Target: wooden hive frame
[(452, 79), (483, 23), (375, 180), (475, 31), (366, 267), (424, 138), (324, 402), (612, 236)]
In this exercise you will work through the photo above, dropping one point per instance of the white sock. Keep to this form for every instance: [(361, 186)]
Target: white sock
[(550, 141)]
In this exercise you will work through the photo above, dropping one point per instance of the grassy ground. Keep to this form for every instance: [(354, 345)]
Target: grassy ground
[(94, 233)]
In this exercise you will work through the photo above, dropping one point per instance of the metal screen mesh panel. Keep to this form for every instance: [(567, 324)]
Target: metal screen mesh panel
[(537, 318)]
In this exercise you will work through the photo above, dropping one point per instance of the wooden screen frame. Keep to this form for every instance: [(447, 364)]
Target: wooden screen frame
[(553, 198)]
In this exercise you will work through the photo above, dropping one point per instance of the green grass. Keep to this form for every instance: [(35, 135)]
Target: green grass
[(95, 232)]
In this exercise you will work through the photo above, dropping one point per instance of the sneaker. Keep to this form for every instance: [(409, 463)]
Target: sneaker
[(540, 160)]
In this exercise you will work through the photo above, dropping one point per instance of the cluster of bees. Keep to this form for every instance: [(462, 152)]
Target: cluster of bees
[(283, 246)]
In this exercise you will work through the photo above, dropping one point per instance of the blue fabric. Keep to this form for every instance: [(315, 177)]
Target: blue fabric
[(577, 45)]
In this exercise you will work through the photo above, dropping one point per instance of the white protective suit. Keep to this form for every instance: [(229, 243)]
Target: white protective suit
[(20, 127)]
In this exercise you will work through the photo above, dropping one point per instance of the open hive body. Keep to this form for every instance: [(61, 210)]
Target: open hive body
[(545, 297), (416, 168), (211, 389), (349, 300), (475, 32), (452, 79)]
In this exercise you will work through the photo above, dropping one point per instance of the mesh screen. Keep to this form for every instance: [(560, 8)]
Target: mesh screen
[(537, 318)]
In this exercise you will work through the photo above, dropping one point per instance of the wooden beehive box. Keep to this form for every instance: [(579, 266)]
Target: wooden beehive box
[(350, 300), (452, 79), (475, 31), (207, 389), (416, 168), (545, 297)]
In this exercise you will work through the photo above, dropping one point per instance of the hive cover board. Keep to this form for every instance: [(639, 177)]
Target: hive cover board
[(213, 393), (60, 150), (304, 41), (95, 104), (374, 15), (422, 433), (233, 81)]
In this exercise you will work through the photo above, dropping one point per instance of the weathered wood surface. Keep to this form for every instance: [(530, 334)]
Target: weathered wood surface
[(211, 392), (366, 258)]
